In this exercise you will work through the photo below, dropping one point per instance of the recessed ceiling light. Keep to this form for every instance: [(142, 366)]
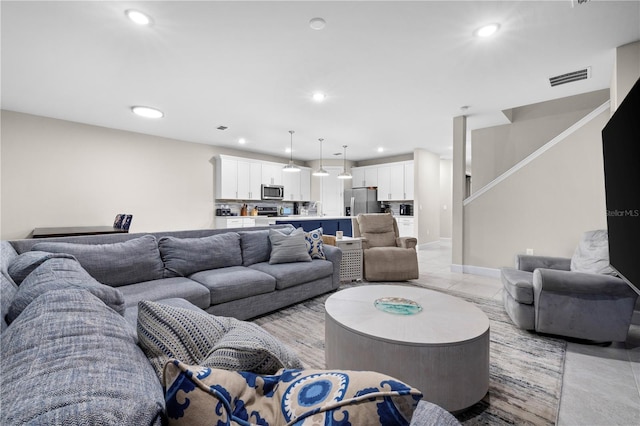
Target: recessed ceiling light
[(380, 149), (319, 96), (147, 112), (487, 30), (242, 141), (317, 23), (287, 150), (138, 17)]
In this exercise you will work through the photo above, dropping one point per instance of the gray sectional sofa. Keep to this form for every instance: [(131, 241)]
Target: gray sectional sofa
[(70, 350), (223, 271)]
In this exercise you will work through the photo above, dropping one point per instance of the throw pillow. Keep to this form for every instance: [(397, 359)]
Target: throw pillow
[(185, 256), (592, 254), (197, 395), (256, 247), (61, 273), (314, 244), (166, 332), (288, 248), (116, 264)]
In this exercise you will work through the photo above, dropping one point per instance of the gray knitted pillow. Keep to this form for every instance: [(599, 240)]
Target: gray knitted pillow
[(166, 332), (288, 248)]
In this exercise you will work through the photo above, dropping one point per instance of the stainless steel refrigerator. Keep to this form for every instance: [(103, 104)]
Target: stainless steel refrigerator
[(361, 200)]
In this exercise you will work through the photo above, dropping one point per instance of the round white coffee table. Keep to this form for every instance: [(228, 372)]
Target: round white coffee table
[(443, 350)]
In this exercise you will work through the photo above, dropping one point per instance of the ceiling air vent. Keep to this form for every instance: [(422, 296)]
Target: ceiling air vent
[(582, 74)]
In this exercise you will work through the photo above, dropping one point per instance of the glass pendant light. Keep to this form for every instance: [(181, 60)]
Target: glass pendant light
[(291, 167), (345, 174), (321, 171)]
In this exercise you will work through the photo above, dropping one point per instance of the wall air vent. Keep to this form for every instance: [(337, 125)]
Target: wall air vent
[(582, 74), (222, 127)]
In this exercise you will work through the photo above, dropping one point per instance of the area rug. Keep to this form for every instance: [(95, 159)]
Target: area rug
[(525, 369)]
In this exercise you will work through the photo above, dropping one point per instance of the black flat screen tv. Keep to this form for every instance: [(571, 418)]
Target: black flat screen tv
[(621, 148)]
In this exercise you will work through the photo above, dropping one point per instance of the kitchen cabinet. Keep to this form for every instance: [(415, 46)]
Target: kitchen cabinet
[(249, 180), (405, 226), (227, 179), (224, 222), (297, 186), (329, 226), (364, 176), (394, 179), (272, 173)]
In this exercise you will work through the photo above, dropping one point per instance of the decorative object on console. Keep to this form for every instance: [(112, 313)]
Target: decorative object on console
[(123, 221), (288, 397), (291, 167)]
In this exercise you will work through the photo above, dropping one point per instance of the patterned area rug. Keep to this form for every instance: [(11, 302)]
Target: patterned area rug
[(525, 369)]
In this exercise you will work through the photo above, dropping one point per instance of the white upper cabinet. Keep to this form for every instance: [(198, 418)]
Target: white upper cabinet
[(272, 173), (249, 180), (395, 181), (240, 178), (364, 176), (297, 185)]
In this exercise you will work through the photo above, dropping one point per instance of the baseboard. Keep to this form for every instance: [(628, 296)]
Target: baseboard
[(476, 270)]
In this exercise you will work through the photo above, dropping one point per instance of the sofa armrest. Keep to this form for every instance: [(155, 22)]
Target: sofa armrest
[(334, 255), (579, 283), (529, 263), (407, 242), (365, 243)]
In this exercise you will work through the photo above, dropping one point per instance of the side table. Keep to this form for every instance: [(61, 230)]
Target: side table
[(351, 265)]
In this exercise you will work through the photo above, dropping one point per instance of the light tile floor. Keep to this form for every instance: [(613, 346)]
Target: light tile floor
[(601, 385)]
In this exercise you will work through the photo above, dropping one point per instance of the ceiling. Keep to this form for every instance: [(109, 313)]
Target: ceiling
[(394, 73)]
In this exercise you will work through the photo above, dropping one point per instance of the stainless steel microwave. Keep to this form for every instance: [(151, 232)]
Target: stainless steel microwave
[(272, 192)]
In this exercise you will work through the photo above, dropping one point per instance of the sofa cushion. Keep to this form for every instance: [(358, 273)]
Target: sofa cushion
[(184, 256), (316, 397), (167, 332), (7, 254), (519, 284), (288, 248), (7, 292), (27, 262), (116, 264), (61, 273), (592, 254), (377, 229), (292, 274), (166, 288), (256, 246), (70, 360), (235, 282), (314, 244)]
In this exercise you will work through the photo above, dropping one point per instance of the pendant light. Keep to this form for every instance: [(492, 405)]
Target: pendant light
[(291, 167), (321, 171), (345, 174)]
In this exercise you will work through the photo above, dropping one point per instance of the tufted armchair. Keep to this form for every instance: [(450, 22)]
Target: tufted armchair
[(386, 256)]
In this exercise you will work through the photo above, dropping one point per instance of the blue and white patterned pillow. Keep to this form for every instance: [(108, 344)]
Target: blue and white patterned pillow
[(314, 244), (297, 397)]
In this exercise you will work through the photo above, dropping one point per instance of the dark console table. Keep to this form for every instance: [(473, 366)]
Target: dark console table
[(75, 231)]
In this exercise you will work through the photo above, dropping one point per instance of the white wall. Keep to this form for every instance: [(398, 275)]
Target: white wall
[(446, 198), (545, 206), (496, 149), (60, 173), (426, 205)]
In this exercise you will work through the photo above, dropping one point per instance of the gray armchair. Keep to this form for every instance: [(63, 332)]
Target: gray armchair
[(551, 295), (386, 256)]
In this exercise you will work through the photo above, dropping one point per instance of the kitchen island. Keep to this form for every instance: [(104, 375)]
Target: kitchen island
[(329, 224)]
